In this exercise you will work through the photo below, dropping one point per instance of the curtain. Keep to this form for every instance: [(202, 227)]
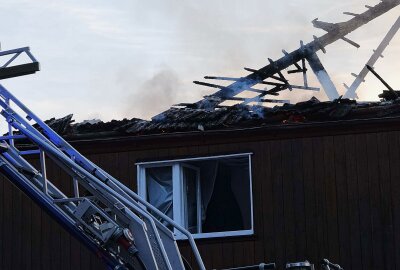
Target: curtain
[(240, 185), (159, 188), (208, 174)]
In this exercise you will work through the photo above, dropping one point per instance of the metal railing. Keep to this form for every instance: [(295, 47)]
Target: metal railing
[(16, 53), (58, 149)]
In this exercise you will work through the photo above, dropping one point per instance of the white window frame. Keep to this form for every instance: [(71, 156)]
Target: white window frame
[(184, 195), (177, 186)]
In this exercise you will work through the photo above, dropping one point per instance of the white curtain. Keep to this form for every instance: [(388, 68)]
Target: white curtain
[(159, 188)]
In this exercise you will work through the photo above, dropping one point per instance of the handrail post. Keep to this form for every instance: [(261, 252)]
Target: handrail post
[(43, 169)]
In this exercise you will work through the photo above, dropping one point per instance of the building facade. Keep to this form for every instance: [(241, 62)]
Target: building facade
[(278, 194)]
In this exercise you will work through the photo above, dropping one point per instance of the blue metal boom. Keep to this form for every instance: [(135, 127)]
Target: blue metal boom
[(112, 220)]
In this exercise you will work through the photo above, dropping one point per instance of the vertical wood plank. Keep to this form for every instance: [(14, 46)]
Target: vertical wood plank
[(387, 233), (319, 167), (227, 252), (84, 257), (75, 254), (16, 228), (27, 233), (364, 202), (54, 243), (331, 203), (288, 201), (375, 200), (8, 218), (310, 201), (237, 254), (125, 170), (394, 160), (353, 199), (46, 239), (36, 236), (265, 225), (298, 199), (2, 222), (342, 202), (278, 197)]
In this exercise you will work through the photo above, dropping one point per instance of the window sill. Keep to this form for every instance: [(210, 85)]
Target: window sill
[(217, 235)]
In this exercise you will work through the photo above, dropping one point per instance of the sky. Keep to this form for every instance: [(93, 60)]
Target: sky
[(129, 58)]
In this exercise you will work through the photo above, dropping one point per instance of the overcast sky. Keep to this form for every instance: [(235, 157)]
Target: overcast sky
[(116, 59)]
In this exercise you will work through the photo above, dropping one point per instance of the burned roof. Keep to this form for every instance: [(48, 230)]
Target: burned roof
[(233, 117), (263, 85), (210, 113)]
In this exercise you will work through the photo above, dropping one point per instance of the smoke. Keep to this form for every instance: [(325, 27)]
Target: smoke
[(220, 38), (205, 38), (155, 94), (194, 38)]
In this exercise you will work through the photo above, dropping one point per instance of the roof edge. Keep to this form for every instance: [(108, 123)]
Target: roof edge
[(287, 131)]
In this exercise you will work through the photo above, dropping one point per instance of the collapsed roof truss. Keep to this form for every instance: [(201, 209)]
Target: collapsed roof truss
[(378, 53), (296, 59)]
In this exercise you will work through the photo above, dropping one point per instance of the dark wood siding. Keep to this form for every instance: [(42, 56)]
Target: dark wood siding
[(315, 196)]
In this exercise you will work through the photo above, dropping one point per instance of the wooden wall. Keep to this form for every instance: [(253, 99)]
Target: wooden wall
[(327, 196)]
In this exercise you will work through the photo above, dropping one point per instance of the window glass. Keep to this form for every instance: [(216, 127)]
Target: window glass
[(159, 188), (226, 195), (190, 181), (211, 195)]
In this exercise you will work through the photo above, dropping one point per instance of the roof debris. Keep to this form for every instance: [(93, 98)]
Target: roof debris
[(272, 75), (233, 117)]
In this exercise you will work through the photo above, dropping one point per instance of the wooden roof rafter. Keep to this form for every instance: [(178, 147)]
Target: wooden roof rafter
[(297, 59)]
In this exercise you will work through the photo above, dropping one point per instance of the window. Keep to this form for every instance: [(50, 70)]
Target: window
[(209, 196)]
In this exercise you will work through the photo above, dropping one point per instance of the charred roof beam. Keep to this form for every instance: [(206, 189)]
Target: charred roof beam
[(223, 87), (323, 76), (221, 78), (291, 85), (257, 99), (281, 78), (298, 67), (393, 93), (303, 52), (360, 78)]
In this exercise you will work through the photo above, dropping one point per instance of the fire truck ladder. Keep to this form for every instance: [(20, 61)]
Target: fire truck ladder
[(110, 219)]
